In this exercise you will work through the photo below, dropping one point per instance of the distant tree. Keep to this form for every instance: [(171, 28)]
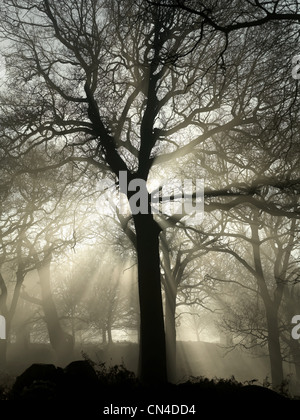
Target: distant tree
[(96, 295), (182, 251), (37, 222), (266, 247)]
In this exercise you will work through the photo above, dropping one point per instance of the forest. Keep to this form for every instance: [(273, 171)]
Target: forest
[(149, 199)]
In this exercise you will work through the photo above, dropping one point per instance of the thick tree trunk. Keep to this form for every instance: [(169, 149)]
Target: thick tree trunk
[(170, 310), (152, 363), (274, 348), (61, 342)]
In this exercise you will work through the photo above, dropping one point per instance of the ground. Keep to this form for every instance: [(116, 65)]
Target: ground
[(110, 386)]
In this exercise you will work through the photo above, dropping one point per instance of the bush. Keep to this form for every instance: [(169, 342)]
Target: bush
[(116, 375)]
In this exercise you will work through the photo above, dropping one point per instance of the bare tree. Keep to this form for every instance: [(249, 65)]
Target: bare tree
[(130, 87), (263, 245), (239, 15), (39, 224)]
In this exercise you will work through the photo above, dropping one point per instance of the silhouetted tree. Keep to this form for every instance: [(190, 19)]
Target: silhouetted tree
[(31, 232), (264, 246), (131, 87)]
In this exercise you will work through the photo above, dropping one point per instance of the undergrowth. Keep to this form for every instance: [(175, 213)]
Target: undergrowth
[(112, 375)]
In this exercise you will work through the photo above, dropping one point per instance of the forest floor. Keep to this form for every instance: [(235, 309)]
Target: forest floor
[(116, 387), (111, 388)]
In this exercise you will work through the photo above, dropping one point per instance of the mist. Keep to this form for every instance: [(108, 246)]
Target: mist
[(149, 212)]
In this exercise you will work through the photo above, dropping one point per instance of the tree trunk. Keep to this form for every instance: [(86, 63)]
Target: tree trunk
[(170, 310), (23, 338), (61, 342), (3, 350), (152, 363), (274, 348), (271, 306), (109, 334), (197, 334), (8, 314), (104, 335), (295, 353)]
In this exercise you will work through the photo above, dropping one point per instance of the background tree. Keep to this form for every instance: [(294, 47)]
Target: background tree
[(38, 223), (264, 247)]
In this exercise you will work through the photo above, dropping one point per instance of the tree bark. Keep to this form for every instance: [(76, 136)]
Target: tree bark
[(152, 363), (61, 342), (170, 310)]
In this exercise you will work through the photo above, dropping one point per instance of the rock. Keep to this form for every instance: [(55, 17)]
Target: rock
[(39, 380), (80, 381)]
